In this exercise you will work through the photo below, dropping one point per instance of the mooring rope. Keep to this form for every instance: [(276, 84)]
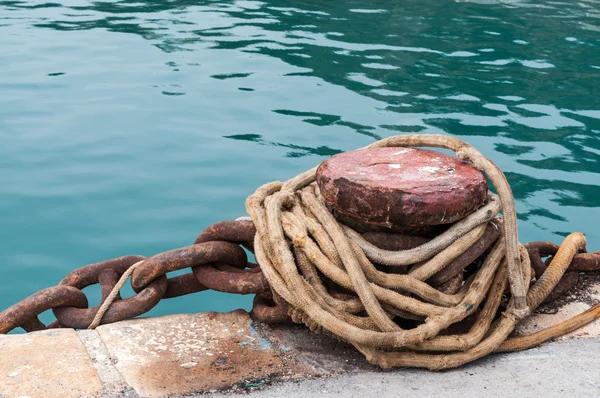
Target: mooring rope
[(307, 256), (297, 238)]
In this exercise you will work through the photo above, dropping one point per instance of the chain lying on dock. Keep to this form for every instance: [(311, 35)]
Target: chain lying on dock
[(324, 274), (217, 261), (68, 295)]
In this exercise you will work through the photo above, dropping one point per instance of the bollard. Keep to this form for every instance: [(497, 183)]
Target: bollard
[(400, 189)]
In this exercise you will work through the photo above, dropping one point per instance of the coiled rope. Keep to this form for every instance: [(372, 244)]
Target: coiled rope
[(298, 241)]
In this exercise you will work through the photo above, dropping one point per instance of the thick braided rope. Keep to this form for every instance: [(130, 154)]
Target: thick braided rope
[(298, 238)]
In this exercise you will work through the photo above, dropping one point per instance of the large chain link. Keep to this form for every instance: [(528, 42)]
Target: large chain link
[(217, 261)]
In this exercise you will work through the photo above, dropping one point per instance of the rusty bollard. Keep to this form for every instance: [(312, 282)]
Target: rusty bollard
[(400, 189)]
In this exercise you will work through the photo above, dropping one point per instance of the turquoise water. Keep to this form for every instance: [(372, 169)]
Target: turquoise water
[(126, 127)]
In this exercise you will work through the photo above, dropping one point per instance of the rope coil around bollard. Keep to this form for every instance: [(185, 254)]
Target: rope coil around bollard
[(359, 287), (292, 212)]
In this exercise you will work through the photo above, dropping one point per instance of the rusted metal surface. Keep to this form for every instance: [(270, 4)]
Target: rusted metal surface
[(583, 262), (107, 273), (537, 251), (231, 231), (453, 285), (264, 309), (186, 257), (392, 187), (229, 279), (108, 279), (182, 285), (491, 234), (36, 325), (139, 304), (362, 226), (28, 309), (88, 275), (217, 254), (33, 325), (394, 241), (586, 262)]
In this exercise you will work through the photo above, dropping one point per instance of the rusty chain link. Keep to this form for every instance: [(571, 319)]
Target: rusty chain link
[(216, 259), (25, 313), (218, 262)]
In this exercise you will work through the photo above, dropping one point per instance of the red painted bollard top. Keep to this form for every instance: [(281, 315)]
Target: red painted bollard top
[(400, 187)]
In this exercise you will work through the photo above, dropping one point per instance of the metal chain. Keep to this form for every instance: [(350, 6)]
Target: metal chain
[(216, 259), (218, 262)]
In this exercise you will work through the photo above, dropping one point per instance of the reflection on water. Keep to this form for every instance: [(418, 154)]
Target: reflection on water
[(127, 126)]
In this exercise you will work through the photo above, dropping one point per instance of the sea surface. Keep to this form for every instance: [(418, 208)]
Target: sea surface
[(126, 127)]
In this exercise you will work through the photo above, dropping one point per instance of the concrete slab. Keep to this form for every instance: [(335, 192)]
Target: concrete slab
[(184, 355), (112, 381), (560, 369), (190, 353), (47, 364), (314, 354)]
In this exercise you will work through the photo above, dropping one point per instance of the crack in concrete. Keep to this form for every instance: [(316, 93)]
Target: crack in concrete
[(112, 380)]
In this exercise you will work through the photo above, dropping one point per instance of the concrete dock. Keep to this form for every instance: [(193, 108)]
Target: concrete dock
[(228, 354)]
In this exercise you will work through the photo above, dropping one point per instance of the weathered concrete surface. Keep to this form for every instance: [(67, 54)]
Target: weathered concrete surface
[(110, 377), (314, 354), (46, 364), (183, 354), (561, 369), (396, 187)]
